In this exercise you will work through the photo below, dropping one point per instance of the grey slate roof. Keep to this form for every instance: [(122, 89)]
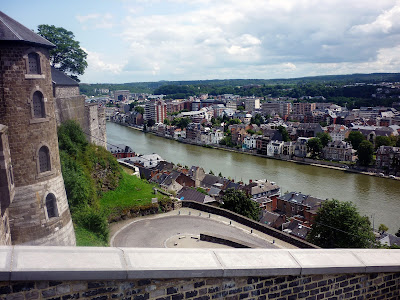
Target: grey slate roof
[(119, 148), (60, 78), (187, 193), (12, 31)]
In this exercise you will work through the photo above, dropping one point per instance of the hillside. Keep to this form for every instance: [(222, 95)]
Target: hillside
[(99, 191), (150, 87)]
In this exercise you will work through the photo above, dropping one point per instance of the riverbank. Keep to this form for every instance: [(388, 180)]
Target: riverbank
[(301, 161)]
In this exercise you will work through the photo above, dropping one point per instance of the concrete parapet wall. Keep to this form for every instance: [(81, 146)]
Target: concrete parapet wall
[(132, 273), (250, 223), (219, 239)]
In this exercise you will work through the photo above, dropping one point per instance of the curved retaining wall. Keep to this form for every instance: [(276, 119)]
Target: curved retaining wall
[(170, 274), (250, 223), (219, 239)]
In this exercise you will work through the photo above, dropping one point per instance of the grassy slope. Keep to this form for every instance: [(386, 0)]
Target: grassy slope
[(131, 192)]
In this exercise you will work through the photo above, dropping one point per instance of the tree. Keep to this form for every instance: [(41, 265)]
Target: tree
[(314, 146), (382, 141), (238, 202), (397, 233), (324, 137), (167, 122), (355, 138), (365, 152), (284, 133), (151, 122), (339, 225), (68, 56), (383, 228), (139, 109), (257, 119)]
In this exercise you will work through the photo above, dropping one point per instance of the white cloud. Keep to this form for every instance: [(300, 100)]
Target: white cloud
[(202, 39), (83, 19), (96, 63), (387, 22), (96, 21)]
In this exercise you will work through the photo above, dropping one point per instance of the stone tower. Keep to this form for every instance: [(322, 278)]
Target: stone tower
[(39, 213)]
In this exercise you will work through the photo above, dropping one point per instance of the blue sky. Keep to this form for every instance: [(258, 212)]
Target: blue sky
[(151, 40)]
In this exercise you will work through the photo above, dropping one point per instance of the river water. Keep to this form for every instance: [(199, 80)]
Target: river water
[(377, 198)]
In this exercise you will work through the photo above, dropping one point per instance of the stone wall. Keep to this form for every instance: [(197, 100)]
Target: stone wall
[(338, 286), (7, 188), (72, 108), (66, 91), (25, 132), (29, 220), (95, 125), (171, 274)]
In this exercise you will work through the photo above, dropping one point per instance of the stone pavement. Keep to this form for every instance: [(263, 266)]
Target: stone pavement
[(181, 229)]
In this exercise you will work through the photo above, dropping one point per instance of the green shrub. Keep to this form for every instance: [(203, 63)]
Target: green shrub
[(71, 138), (93, 220)]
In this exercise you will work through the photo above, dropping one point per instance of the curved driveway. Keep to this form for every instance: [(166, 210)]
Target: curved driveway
[(156, 232)]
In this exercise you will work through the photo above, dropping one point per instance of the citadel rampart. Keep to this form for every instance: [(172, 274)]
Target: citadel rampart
[(170, 274)]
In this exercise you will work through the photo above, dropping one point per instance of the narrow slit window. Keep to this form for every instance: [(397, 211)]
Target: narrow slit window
[(51, 206), (38, 105), (44, 159), (34, 63)]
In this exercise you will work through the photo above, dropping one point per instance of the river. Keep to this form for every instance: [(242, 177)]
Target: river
[(378, 198)]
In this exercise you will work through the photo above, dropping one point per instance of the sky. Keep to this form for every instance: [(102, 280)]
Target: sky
[(153, 40)]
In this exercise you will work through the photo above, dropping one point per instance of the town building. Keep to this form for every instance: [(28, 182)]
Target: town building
[(388, 159), (121, 95), (283, 109), (155, 110), (339, 151), (120, 151), (252, 104), (304, 207), (302, 108)]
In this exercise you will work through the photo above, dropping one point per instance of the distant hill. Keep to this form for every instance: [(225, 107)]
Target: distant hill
[(206, 85)]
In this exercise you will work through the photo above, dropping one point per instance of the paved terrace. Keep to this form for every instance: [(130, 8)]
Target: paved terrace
[(181, 229)]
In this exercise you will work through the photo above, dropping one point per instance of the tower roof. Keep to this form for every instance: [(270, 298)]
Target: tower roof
[(12, 31)]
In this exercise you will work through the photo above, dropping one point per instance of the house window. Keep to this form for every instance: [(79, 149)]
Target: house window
[(38, 105), (44, 159), (33, 63), (51, 206)]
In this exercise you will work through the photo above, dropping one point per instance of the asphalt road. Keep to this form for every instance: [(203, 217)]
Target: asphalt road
[(180, 231)]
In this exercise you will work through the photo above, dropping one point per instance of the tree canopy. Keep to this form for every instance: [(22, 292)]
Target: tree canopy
[(355, 138), (339, 225), (314, 146), (68, 56), (284, 133), (324, 137), (365, 153), (238, 202)]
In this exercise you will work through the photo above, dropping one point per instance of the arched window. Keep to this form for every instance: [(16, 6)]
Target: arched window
[(33, 63), (44, 159), (51, 206), (38, 105)]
